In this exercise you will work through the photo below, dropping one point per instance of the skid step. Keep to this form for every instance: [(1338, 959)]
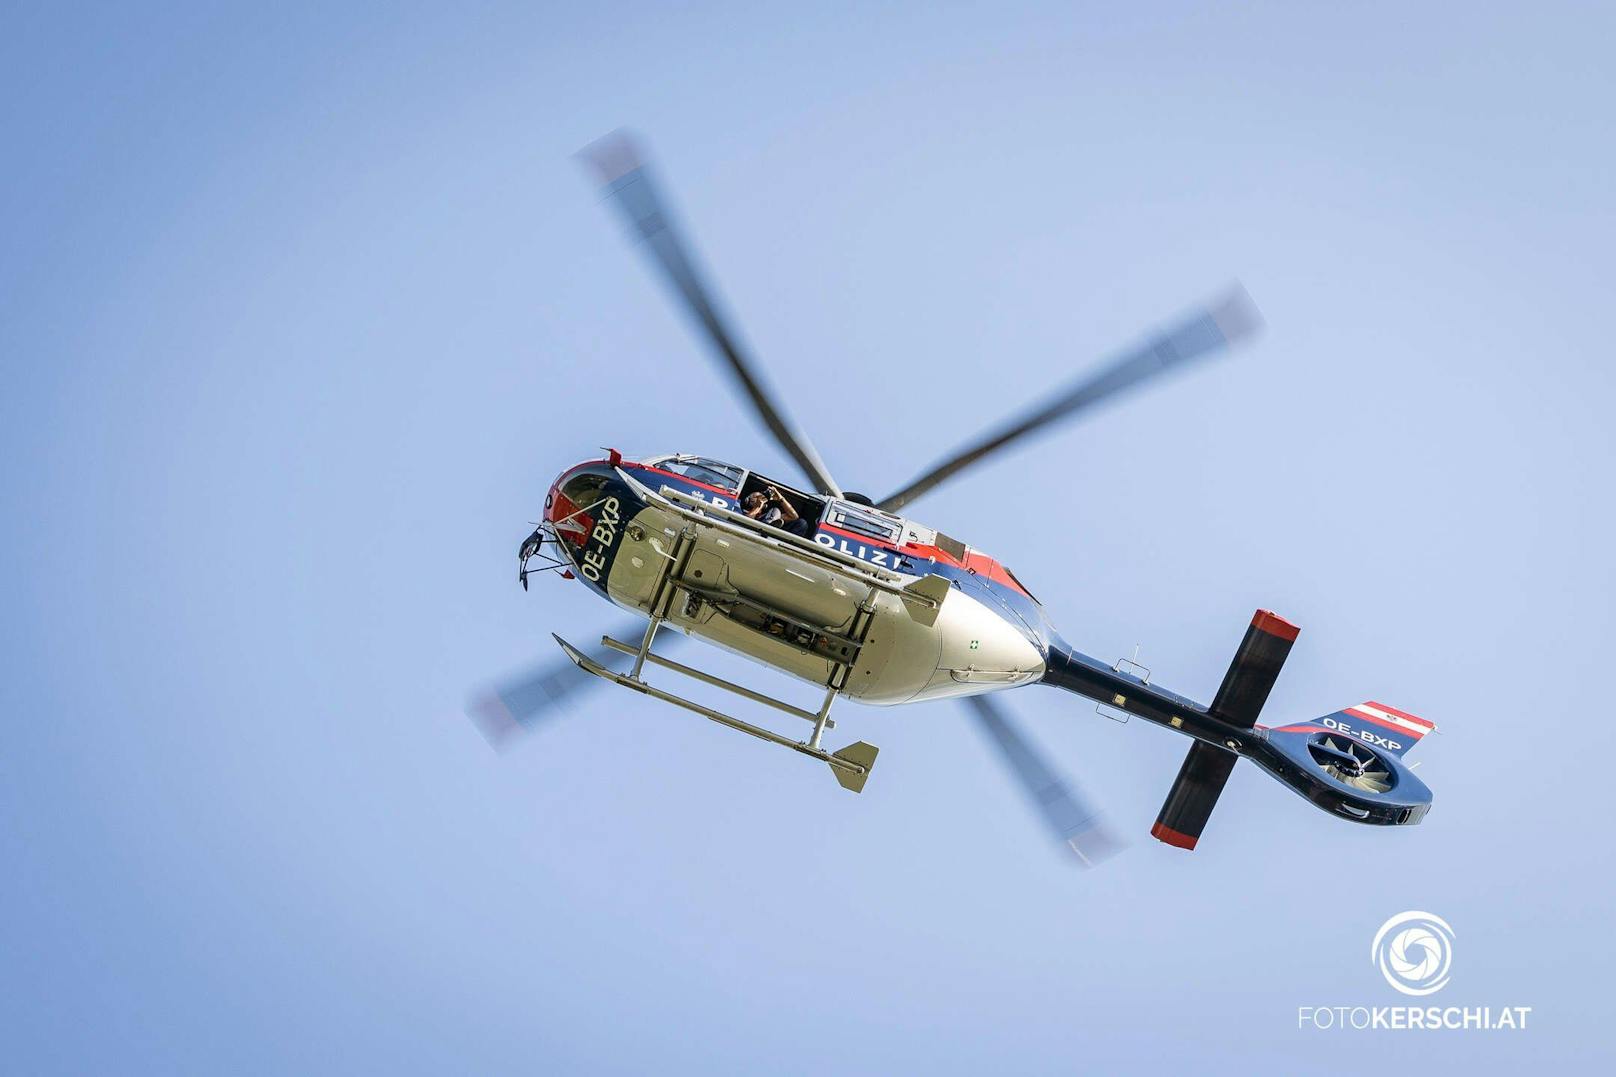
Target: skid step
[(851, 765)]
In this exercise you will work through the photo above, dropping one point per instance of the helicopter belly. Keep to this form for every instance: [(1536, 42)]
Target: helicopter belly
[(967, 650), (811, 618), (741, 595)]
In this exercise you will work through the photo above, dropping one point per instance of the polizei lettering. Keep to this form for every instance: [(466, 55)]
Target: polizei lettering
[(601, 540), (875, 555)]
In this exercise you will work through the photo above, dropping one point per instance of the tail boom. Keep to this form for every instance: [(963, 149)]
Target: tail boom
[(1348, 763)]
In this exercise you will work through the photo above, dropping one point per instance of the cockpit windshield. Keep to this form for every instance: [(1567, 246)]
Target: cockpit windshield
[(702, 469)]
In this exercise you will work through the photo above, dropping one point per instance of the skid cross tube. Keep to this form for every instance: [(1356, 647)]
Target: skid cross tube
[(717, 682)]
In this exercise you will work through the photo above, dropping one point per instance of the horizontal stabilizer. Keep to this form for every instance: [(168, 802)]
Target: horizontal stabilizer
[(1255, 668), (1240, 699), (1194, 794)]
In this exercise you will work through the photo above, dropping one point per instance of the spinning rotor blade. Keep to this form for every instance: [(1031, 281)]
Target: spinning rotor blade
[(1072, 820), (626, 180), (525, 702), (1203, 333)]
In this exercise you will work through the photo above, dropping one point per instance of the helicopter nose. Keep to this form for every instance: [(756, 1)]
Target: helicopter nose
[(566, 506), (560, 512)]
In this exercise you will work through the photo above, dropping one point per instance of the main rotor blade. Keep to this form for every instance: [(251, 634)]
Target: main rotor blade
[(1069, 817), (1201, 334), (626, 180), (544, 691)]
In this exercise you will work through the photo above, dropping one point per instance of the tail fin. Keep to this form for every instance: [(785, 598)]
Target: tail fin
[(1373, 723)]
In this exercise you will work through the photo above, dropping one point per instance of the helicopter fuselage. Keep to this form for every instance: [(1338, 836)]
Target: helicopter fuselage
[(851, 592)]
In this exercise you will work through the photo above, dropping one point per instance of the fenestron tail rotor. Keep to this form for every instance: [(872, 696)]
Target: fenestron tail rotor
[(1351, 763), (626, 180)]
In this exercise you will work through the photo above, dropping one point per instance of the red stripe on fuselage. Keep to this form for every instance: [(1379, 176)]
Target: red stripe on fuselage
[(933, 553), (983, 565)]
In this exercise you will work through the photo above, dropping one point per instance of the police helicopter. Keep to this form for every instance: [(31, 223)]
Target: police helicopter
[(856, 598)]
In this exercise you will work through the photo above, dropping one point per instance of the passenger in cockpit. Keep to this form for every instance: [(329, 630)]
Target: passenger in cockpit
[(771, 507)]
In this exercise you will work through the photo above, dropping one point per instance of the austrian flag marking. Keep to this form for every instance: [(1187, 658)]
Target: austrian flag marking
[(1392, 718)]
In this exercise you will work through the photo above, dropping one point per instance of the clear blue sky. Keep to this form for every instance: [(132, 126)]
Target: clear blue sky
[(302, 307)]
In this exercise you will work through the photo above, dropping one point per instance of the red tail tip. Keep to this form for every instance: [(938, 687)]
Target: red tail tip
[(1275, 625), (1163, 832)]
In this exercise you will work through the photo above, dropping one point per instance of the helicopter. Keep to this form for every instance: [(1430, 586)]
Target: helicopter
[(848, 594)]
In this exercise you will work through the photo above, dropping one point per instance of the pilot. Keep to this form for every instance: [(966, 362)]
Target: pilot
[(771, 507)]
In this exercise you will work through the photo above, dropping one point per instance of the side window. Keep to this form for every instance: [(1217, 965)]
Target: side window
[(864, 521)]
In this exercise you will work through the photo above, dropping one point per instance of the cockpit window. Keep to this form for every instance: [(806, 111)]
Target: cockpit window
[(712, 472)]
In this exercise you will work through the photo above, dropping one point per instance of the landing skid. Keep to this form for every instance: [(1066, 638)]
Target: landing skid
[(851, 765)]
